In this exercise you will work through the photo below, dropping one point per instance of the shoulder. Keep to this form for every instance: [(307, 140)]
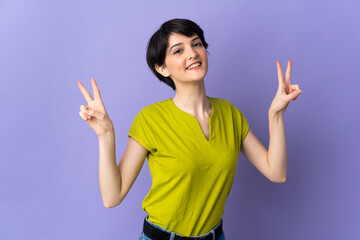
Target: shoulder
[(225, 107), (222, 103), (154, 109)]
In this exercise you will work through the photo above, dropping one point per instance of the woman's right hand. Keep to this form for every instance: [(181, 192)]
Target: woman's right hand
[(95, 113)]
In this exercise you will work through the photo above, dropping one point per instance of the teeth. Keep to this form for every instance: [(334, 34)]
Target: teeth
[(194, 65)]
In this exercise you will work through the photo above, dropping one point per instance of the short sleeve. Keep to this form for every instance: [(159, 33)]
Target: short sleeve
[(141, 132), (241, 122), (244, 127)]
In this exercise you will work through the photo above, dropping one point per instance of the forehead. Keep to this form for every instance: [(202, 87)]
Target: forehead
[(175, 38)]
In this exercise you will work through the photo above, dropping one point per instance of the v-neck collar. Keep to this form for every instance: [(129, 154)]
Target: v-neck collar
[(211, 117)]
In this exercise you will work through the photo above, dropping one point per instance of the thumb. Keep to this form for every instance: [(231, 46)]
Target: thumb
[(94, 113), (293, 95)]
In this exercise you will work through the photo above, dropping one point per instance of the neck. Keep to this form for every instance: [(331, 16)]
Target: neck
[(191, 98)]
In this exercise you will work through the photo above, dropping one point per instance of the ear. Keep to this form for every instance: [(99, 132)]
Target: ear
[(162, 70)]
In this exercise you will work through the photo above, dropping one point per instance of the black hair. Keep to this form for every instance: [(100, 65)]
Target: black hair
[(158, 43)]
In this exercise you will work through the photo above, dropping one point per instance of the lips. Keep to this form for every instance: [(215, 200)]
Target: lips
[(195, 64)]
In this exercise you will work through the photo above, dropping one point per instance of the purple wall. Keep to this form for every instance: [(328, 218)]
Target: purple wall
[(49, 185)]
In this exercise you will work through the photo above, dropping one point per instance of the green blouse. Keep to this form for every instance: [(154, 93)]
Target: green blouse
[(191, 176)]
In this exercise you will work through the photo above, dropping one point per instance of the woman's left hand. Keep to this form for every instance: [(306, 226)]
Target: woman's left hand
[(285, 92)]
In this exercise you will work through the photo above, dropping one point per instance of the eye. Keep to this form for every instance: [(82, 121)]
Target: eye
[(177, 51), (198, 44)]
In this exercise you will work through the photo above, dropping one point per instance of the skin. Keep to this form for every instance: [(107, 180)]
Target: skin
[(190, 87), (116, 180), (272, 162)]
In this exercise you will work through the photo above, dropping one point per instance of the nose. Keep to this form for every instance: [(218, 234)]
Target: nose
[(193, 53)]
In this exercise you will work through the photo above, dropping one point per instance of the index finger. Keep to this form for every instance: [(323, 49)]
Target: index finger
[(95, 90), (84, 92), (288, 72), (280, 74)]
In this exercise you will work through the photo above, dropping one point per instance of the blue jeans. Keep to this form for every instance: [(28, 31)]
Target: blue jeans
[(144, 237)]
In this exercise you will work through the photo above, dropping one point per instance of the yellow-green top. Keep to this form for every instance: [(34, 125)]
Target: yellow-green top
[(191, 176)]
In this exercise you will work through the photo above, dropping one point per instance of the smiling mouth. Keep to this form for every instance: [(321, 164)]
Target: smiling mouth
[(194, 65)]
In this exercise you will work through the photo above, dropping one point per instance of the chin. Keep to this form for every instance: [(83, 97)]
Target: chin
[(198, 75), (197, 79)]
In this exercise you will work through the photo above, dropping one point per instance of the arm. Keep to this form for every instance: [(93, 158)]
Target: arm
[(258, 155), (277, 154), (116, 181), (109, 175), (272, 163)]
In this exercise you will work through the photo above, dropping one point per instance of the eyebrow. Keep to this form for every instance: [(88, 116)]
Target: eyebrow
[(182, 43)]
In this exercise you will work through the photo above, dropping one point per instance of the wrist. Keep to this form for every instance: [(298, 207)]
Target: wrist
[(275, 114), (107, 134)]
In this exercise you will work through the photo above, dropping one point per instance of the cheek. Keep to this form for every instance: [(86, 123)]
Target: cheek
[(179, 65), (205, 56), (175, 65)]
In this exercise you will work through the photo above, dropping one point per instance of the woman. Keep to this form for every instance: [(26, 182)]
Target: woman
[(192, 141)]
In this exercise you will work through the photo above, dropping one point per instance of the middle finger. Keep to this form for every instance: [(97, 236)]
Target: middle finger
[(95, 90), (288, 72), (84, 92)]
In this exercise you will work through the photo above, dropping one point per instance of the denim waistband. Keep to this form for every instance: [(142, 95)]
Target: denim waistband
[(157, 232)]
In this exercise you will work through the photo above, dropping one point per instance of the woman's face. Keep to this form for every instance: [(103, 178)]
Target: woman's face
[(185, 60)]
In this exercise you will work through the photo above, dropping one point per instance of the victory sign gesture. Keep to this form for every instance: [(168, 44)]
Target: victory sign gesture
[(286, 92), (95, 113)]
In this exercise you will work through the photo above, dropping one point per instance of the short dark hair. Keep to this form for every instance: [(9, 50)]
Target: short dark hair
[(158, 43)]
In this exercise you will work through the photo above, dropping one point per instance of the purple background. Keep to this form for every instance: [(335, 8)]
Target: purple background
[(49, 155)]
